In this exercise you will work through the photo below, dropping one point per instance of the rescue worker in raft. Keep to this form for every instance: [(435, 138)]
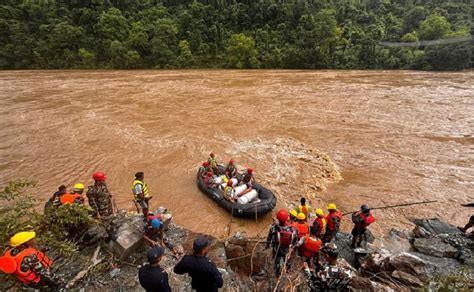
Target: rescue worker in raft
[(361, 219), (333, 224), (211, 160), (74, 198), (248, 178), (154, 233), (209, 180), (332, 276), (308, 247), (204, 168), (99, 197), (230, 169), (141, 193), (319, 224), (281, 238), (229, 192), (27, 263)]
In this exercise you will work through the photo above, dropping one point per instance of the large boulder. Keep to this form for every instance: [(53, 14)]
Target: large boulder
[(435, 247), (436, 226), (246, 258), (128, 237)]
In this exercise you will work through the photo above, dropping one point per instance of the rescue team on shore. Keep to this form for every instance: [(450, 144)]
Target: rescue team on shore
[(292, 233)]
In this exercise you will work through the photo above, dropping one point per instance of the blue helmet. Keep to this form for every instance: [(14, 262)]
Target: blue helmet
[(155, 223)]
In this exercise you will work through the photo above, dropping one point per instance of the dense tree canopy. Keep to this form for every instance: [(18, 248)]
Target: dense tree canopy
[(233, 33)]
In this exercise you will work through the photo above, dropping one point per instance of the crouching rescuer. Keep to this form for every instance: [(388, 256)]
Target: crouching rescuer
[(27, 263)]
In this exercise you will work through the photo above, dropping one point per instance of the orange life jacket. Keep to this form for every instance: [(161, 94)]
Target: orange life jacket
[(302, 228), (28, 276), (330, 220), (304, 209), (70, 198), (310, 247)]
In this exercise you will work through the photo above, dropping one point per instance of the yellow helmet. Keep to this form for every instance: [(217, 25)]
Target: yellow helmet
[(22, 237), (301, 216), (294, 213), (319, 212), (79, 186), (332, 206)]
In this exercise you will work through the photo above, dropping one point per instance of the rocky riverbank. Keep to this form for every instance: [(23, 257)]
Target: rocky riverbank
[(435, 254)]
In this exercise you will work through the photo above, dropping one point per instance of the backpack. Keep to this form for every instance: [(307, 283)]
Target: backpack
[(285, 237)]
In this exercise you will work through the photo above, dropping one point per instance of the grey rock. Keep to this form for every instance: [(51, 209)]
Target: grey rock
[(407, 279), (129, 237), (436, 226), (435, 247), (421, 232), (437, 265)]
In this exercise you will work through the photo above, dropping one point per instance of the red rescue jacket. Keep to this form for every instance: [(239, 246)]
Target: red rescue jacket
[(332, 218), (28, 276), (310, 247), (320, 222), (367, 220)]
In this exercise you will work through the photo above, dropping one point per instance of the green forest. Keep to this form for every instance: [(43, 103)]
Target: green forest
[(294, 34)]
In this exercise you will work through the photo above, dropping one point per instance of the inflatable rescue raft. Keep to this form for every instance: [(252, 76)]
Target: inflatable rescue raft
[(254, 203)]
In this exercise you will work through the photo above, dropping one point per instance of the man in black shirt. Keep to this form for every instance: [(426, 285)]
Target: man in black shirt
[(151, 276), (204, 273)]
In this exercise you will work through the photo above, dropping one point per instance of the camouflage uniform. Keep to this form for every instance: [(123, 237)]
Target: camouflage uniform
[(100, 200), (32, 263), (329, 278)]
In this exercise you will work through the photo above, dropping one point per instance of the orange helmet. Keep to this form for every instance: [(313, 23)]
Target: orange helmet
[(229, 183), (250, 170), (231, 162)]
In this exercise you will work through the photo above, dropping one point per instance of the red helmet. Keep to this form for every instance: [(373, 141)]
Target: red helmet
[(231, 162), (282, 215), (229, 183), (211, 154), (250, 170), (99, 176), (205, 164), (209, 174)]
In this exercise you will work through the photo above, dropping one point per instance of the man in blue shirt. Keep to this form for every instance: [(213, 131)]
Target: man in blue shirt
[(152, 277)]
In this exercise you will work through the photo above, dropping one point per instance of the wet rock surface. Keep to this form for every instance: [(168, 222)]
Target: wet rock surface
[(246, 264)]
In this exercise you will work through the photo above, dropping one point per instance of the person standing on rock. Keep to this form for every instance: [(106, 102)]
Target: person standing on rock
[(304, 208), (469, 224), (141, 193), (333, 220), (281, 238), (99, 197), (152, 277), (361, 219), (332, 276), (204, 273), (319, 224), (309, 246)]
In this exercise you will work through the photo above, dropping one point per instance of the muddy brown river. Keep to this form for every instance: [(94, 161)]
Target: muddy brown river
[(349, 137)]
